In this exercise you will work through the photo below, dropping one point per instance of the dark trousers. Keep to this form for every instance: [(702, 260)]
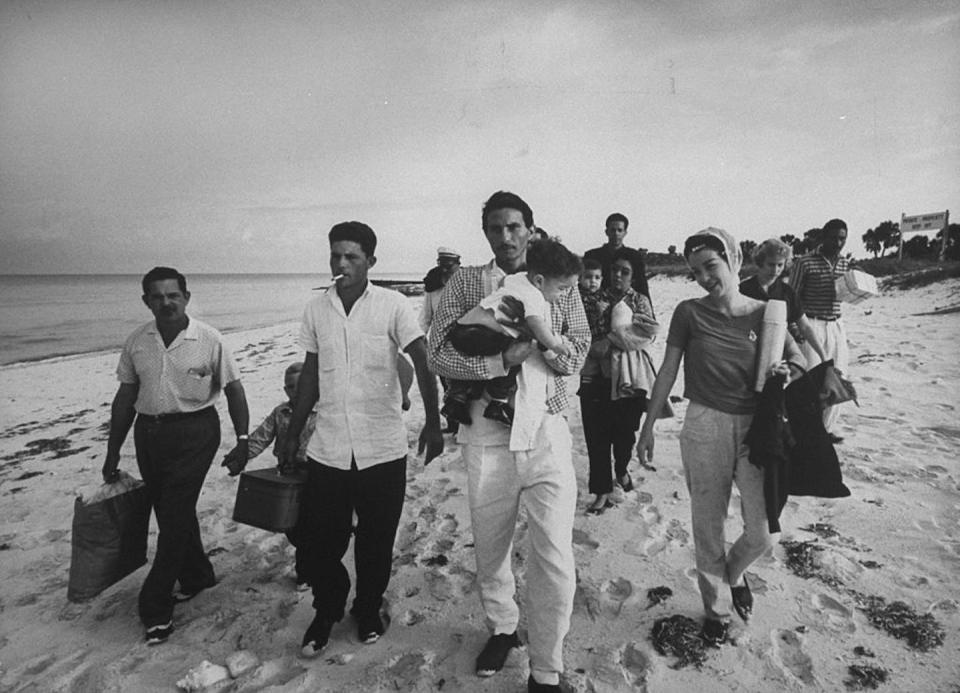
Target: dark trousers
[(332, 496), (608, 425), (173, 457)]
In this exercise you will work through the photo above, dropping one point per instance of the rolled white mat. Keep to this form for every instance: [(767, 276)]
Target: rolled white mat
[(773, 336)]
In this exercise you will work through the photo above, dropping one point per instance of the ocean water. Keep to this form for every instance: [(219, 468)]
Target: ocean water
[(44, 316)]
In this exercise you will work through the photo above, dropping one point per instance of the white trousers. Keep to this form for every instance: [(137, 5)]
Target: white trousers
[(714, 457), (544, 479), (833, 336)]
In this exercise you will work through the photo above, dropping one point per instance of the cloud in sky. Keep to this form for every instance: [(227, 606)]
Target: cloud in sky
[(229, 136)]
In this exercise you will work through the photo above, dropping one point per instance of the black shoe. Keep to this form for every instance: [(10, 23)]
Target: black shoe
[(500, 412), (316, 637), (625, 482), (715, 631), (370, 628), (457, 410), (533, 686), (159, 634), (494, 654), (742, 601)]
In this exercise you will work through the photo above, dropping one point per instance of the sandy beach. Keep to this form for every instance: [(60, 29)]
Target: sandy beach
[(896, 538)]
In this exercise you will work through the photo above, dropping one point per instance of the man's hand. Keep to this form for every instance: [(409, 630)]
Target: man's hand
[(236, 459), (431, 440), (287, 459), (517, 353), (109, 471)]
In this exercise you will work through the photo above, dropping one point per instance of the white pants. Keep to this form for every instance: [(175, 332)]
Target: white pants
[(833, 336), (544, 479), (714, 457)]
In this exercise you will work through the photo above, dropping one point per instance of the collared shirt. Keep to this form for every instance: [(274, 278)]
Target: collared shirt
[(186, 376), (273, 429), (464, 291), (813, 279), (358, 412)]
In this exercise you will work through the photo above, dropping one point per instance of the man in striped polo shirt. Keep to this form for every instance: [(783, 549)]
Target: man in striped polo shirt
[(813, 280)]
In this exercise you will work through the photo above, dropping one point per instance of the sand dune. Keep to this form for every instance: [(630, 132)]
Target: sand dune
[(896, 538)]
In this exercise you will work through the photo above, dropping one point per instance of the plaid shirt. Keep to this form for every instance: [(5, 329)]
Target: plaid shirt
[(464, 291)]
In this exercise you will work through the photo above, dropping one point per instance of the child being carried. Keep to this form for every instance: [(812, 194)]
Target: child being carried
[(486, 330)]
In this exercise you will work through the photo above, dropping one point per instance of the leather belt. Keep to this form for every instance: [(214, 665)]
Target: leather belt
[(174, 416)]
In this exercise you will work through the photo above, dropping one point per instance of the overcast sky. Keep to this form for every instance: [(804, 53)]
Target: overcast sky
[(230, 136)]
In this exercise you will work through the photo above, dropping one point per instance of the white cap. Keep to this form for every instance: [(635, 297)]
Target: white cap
[(443, 251)]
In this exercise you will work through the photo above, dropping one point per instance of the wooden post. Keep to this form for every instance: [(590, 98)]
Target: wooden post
[(900, 249), (943, 239)]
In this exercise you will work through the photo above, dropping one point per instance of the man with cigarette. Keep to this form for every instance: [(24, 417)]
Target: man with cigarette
[(357, 456), (171, 373)]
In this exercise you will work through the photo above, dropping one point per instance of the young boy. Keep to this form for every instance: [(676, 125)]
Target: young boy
[(273, 429), (551, 271), (594, 304)]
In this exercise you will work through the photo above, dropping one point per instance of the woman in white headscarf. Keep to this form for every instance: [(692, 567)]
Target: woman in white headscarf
[(717, 337)]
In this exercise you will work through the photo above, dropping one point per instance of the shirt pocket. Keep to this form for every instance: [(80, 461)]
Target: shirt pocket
[(378, 359), (196, 385)]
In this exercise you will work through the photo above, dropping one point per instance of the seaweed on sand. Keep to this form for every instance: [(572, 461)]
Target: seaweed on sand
[(679, 636), (921, 631), (658, 595), (801, 559), (864, 676)]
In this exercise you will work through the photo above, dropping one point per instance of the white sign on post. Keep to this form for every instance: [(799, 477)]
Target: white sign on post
[(923, 222), (934, 221)]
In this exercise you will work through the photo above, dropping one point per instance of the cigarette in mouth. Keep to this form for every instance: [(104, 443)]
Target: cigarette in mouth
[(332, 281)]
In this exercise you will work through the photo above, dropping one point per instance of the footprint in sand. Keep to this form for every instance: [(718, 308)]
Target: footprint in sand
[(618, 669), (789, 656), (411, 617), (618, 590), (440, 586), (581, 538), (587, 598), (837, 615), (410, 671)]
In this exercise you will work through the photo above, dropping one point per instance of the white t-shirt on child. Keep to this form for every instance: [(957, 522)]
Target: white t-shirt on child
[(519, 287), (535, 382)]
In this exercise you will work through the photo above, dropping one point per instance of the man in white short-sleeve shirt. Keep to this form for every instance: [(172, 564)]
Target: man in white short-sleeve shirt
[(171, 373), (357, 454)]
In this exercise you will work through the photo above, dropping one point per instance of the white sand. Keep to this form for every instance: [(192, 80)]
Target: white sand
[(898, 538)]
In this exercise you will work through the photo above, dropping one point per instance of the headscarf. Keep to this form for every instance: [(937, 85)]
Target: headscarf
[(718, 240)]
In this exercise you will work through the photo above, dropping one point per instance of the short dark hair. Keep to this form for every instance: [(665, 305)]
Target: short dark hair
[(158, 274), (507, 200), (615, 217), (591, 263), (835, 225), (551, 258), (355, 231)]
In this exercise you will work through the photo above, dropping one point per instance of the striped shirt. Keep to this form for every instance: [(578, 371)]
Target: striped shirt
[(812, 278), (464, 291)]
